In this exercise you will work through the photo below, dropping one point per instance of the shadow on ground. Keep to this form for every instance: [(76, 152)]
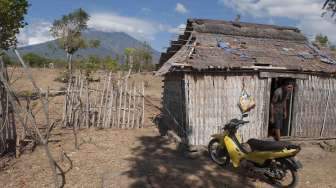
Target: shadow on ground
[(159, 163)]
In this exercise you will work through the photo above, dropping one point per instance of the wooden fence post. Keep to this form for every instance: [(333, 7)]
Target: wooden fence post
[(143, 104)]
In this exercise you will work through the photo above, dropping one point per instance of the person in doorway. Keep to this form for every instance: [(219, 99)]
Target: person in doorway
[(279, 110)]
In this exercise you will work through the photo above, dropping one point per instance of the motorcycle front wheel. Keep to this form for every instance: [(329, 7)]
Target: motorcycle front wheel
[(218, 154), (284, 176)]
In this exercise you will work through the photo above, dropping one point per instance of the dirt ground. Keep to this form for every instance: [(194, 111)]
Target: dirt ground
[(140, 157)]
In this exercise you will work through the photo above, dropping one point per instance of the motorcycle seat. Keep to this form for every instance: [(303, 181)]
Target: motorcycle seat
[(263, 145)]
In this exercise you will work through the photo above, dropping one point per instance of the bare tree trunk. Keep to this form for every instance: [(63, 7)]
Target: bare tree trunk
[(54, 166), (70, 65), (3, 71), (30, 76), (3, 66), (130, 68)]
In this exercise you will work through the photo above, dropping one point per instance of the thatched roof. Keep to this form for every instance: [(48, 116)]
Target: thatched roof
[(221, 45), (247, 29)]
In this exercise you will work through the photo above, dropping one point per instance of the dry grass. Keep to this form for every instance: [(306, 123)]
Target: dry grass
[(43, 77), (142, 158), (139, 157)]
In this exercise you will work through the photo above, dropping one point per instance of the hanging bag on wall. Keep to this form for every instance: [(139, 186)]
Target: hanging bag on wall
[(246, 102)]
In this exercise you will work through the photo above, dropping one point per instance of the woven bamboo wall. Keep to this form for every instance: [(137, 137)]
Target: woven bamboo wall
[(203, 103), (212, 100), (314, 107), (174, 101)]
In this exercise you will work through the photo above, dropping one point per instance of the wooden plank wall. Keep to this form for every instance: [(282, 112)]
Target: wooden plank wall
[(314, 107), (173, 101), (212, 100)]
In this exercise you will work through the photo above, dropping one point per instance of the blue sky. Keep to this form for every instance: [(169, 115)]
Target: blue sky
[(157, 22)]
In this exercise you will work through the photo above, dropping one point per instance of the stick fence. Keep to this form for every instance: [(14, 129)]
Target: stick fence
[(110, 103)]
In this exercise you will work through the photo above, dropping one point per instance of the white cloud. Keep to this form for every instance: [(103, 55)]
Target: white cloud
[(293, 9), (178, 29), (306, 12), (170, 29), (180, 8), (38, 31), (35, 33), (318, 25), (138, 28)]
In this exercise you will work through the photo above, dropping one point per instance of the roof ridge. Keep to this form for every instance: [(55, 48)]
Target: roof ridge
[(234, 23)]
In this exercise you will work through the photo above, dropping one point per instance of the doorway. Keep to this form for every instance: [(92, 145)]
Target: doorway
[(287, 100)]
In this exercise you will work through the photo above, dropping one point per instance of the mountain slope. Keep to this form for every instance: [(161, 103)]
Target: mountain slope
[(111, 44)]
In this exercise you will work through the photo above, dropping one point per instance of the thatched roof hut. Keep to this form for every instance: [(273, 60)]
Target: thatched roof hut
[(207, 66)]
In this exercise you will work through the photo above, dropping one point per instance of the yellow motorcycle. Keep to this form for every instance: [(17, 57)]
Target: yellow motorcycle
[(274, 160)]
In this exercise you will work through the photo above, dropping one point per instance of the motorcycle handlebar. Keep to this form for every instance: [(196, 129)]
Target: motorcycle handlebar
[(242, 123), (239, 123)]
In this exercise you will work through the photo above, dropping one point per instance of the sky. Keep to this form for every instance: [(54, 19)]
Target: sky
[(158, 22)]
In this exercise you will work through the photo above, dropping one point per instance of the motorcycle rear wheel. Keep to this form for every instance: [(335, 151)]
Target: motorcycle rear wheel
[(290, 179), (218, 154)]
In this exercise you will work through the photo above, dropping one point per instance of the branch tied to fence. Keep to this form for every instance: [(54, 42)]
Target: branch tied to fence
[(109, 103)]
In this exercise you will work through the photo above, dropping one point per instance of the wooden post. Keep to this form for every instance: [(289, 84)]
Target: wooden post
[(47, 106), (290, 114), (87, 118), (124, 105), (114, 112), (101, 102), (120, 99), (138, 115), (129, 108), (66, 99), (134, 106), (105, 100), (94, 106), (110, 109), (72, 99), (143, 105)]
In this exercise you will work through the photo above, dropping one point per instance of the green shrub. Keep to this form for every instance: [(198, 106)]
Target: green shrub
[(35, 60)]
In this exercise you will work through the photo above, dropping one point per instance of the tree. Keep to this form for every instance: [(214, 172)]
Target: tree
[(12, 14), (68, 32), (110, 64), (52, 47), (147, 53), (333, 48), (143, 57), (8, 60), (94, 43), (329, 6), (323, 40), (237, 19), (35, 60), (90, 64), (138, 58), (129, 53)]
